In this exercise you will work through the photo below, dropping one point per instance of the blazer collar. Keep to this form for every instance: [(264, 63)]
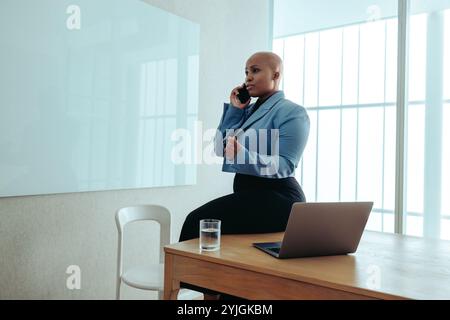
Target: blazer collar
[(263, 109)]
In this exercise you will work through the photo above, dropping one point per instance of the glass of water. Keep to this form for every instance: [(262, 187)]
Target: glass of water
[(209, 234)]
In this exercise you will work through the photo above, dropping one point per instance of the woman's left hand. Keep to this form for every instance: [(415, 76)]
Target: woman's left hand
[(232, 148)]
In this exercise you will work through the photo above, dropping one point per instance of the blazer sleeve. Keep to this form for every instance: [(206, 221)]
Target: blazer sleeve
[(232, 119), (289, 144)]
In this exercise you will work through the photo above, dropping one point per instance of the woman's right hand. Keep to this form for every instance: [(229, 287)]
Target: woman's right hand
[(234, 100)]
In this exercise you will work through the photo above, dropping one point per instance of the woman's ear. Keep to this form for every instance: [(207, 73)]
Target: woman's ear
[(276, 76)]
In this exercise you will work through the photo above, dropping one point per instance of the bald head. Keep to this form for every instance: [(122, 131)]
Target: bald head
[(263, 74), (272, 60)]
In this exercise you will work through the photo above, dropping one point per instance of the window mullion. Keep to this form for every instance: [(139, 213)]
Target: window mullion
[(340, 115), (402, 96), (317, 120)]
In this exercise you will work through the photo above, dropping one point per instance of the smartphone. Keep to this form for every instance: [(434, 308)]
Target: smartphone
[(243, 95)]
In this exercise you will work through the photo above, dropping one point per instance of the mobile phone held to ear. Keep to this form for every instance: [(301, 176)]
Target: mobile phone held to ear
[(243, 95)]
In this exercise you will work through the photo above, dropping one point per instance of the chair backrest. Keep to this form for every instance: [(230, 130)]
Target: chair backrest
[(143, 212)]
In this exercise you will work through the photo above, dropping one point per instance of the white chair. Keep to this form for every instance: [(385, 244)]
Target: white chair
[(147, 277)]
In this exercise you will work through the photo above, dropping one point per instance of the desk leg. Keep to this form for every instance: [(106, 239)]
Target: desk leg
[(171, 287)]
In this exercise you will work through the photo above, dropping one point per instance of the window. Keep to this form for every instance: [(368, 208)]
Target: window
[(341, 76), (343, 70), (427, 140)]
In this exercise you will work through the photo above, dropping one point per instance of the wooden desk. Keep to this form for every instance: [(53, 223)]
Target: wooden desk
[(386, 266)]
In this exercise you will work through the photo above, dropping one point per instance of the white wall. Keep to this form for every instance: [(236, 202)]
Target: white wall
[(40, 236)]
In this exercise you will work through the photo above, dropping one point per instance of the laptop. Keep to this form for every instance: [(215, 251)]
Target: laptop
[(321, 229)]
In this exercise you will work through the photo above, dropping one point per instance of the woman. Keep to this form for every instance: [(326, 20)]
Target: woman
[(264, 185)]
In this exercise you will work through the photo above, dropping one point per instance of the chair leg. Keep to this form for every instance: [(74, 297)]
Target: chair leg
[(119, 282), (208, 296)]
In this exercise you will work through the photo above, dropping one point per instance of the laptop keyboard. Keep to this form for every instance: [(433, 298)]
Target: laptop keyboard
[(275, 249)]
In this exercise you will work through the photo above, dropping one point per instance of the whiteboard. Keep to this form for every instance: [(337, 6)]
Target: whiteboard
[(91, 93)]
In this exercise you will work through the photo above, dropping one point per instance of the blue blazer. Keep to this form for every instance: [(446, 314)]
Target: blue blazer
[(273, 137)]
